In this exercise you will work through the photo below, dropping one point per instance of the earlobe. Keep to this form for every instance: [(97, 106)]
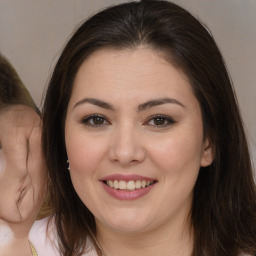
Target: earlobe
[(207, 154)]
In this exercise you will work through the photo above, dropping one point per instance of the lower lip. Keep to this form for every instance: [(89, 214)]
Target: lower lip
[(126, 194)]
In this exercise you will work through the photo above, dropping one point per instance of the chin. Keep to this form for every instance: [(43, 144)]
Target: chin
[(126, 223), (129, 229)]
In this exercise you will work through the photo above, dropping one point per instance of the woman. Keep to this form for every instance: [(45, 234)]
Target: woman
[(144, 141)]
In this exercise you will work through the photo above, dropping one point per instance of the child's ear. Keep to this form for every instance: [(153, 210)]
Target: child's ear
[(207, 153)]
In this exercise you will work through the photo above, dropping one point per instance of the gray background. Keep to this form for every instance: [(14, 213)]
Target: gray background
[(32, 33)]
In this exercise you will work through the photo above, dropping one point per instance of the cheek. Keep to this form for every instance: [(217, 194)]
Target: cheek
[(2, 163), (84, 153), (84, 158), (179, 154)]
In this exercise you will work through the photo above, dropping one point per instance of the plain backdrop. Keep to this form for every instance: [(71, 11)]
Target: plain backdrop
[(32, 33)]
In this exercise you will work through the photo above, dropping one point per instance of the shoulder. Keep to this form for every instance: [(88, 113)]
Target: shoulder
[(43, 236), (90, 251)]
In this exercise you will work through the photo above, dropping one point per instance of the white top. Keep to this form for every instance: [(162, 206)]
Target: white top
[(46, 242)]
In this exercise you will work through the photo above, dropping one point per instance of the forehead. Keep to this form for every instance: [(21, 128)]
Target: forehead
[(129, 73)]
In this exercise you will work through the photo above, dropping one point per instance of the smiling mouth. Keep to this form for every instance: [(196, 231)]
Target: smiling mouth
[(130, 185)]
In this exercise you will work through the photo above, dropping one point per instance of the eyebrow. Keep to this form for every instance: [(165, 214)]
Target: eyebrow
[(141, 107), (157, 102), (96, 102)]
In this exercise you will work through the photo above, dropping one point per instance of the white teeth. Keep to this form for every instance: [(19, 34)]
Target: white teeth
[(128, 185), (116, 185), (111, 183), (122, 184), (138, 184)]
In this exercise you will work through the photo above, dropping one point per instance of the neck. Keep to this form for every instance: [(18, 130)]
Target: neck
[(164, 241)]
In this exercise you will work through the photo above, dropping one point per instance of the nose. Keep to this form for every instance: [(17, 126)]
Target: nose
[(127, 147)]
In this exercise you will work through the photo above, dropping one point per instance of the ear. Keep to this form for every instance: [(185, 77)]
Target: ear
[(207, 153)]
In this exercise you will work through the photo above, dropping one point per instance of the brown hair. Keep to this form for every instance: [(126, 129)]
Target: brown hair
[(12, 90), (223, 213)]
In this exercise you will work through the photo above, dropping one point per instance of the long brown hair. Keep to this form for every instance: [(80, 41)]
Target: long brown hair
[(223, 213)]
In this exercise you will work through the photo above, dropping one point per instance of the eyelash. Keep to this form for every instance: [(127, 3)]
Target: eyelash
[(86, 120), (167, 121)]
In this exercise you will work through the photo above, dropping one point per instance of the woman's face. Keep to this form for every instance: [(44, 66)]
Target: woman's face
[(134, 138)]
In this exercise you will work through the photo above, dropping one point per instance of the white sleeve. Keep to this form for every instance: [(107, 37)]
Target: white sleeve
[(44, 240)]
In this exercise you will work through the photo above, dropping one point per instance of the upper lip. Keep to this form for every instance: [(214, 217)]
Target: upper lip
[(127, 177)]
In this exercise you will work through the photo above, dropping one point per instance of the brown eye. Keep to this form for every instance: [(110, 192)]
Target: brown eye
[(95, 121), (160, 121)]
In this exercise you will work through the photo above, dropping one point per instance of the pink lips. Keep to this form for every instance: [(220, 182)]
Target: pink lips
[(126, 194)]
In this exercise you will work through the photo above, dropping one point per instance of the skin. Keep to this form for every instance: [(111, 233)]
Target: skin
[(129, 140), (22, 176)]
